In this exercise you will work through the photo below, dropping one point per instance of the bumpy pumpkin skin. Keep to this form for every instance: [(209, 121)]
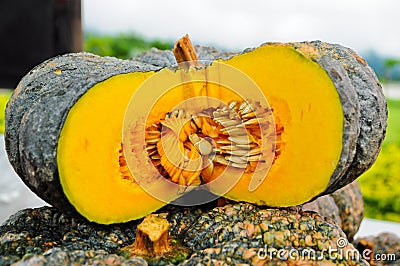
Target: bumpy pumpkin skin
[(230, 235), (40, 105), (345, 206), (38, 108), (386, 244), (372, 104), (217, 236), (351, 208)]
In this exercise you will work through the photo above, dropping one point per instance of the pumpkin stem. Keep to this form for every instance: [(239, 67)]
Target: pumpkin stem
[(184, 51), (186, 57), (154, 244), (151, 237)]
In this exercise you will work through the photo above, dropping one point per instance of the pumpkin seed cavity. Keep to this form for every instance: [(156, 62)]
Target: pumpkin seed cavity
[(228, 136), (185, 148)]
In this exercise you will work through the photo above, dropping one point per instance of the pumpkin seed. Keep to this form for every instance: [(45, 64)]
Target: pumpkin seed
[(237, 165), (231, 122), (194, 138), (240, 139), (220, 159), (243, 105), (253, 121), (253, 158), (193, 125), (150, 147), (156, 157), (153, 141), (255, 151), (197, 121), (152, 152), (236, 159), (246, 146), (245, 108), (237, 152), (249, 115), (205, 147), (153, 132), (232, 104), (228, 147), (238, 131)]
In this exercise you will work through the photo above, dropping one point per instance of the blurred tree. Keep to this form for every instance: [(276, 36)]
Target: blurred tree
[(392, 67), (122, 46)]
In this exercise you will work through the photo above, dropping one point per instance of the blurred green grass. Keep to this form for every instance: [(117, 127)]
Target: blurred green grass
[(380, 185), (393, 129), (4, 96)]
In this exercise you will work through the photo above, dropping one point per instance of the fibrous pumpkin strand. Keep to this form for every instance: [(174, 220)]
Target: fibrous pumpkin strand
[(186, 147), (123, 166)]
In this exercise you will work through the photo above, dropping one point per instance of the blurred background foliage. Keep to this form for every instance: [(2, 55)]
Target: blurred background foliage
[(380, 185), (4, 96), (122, 46)]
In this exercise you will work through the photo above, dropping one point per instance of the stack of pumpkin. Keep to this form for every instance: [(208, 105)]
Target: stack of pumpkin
[(64, 137)]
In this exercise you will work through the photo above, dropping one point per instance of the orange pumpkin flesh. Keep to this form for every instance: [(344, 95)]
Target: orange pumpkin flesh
[(88, 155)]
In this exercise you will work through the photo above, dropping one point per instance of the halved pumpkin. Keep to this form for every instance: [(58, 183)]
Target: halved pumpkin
[(65, 128)]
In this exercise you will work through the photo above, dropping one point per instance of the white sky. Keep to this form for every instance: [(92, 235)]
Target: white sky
[(237, 24)]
